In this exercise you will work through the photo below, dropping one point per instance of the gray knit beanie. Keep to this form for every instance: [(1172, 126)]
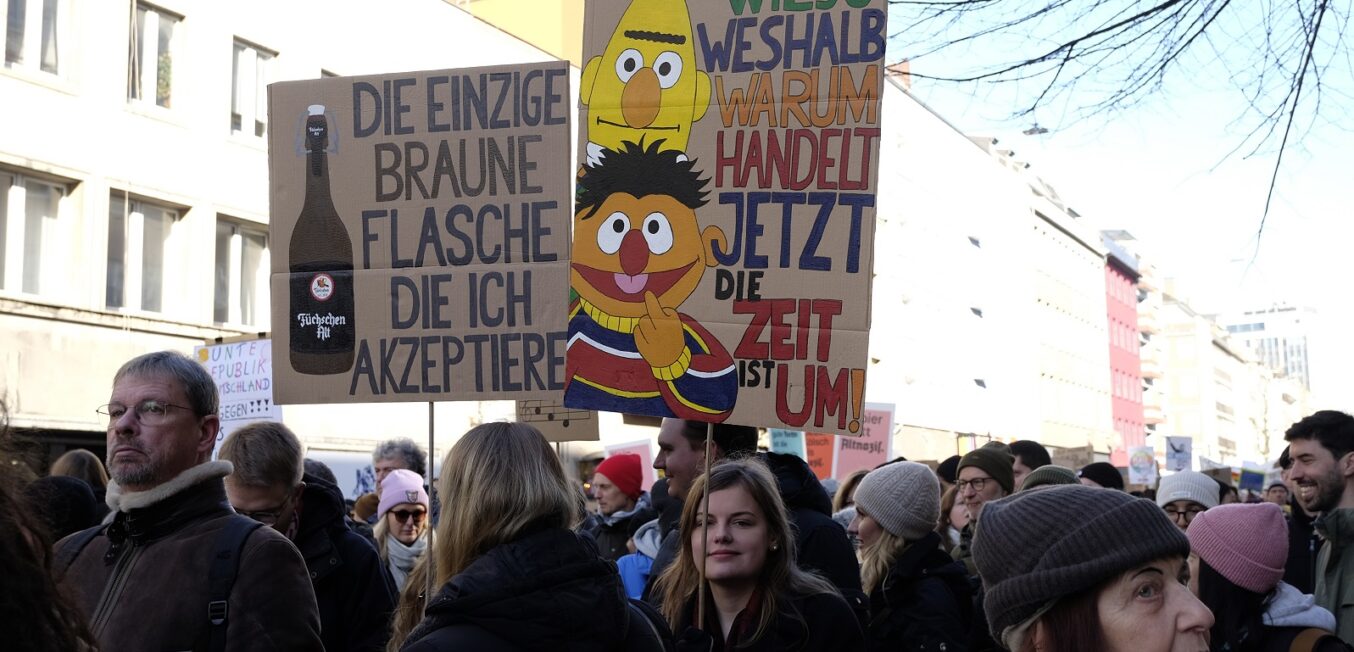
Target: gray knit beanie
[(1035, 547), (1048, 475), (903, 497), (1188, 485), (995, 460)]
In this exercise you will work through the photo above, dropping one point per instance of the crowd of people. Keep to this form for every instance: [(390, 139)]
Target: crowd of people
[(162, 547)]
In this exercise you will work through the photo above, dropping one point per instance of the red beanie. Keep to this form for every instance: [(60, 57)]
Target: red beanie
[(623, 471)]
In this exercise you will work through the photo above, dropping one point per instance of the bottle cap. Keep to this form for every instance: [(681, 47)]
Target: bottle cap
[(316, 109)]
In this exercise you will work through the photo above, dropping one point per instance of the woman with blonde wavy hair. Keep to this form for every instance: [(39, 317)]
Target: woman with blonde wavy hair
[(756, 597), (919, 597), (513, 575)]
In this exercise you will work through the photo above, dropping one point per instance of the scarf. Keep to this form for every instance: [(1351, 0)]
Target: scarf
[(402, 557)]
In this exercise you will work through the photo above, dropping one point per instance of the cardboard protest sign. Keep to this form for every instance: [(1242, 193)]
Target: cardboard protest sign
[(873, 447), (790, 442), (426, 221), (1142, 465), (243, 372), (1072, 458), (644, 449), (822, 453), (724, 222), (557, 422), (1179, 453)]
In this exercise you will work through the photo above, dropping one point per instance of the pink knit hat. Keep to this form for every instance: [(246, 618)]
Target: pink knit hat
[(1247, 543), (401, 486)]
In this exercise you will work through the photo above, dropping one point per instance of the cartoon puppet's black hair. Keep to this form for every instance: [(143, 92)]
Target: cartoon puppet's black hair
[(639, 171)]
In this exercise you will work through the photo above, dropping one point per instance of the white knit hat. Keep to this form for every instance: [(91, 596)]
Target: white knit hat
[(903, 497), (1188, 485)]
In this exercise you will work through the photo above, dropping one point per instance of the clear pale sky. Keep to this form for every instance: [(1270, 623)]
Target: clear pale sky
[(1161, 170)]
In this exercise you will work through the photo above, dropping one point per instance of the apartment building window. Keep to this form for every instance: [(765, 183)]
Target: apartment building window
[(250, 73), (150, 56), (138, 238), (29, 234), (241, 292), (31, 30)]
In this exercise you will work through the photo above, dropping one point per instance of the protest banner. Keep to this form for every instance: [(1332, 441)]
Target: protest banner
[(243, 373), (873, 447), (821, 450), (1072, 458), (1179, 453), (644, 449), (724, 223), (790, 442), (426, 221), (1142, 466), (557, 422)]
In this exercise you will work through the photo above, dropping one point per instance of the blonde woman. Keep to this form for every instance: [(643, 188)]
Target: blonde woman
[(402, 525), (757, 598), (919, 597), (513, 575)]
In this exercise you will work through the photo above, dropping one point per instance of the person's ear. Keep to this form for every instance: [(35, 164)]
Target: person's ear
[(208, 427)]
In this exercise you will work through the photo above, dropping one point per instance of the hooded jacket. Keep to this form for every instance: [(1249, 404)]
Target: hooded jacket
[(612, 532), (924, 602), (353, 590), (547, 590), (142, 582), (821, 544), (1335, 569), (1289, 614)]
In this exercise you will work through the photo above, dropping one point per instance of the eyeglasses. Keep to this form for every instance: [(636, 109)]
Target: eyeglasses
[(403, 515), (1189, 514), (976, 483), (149, 412), (268, 517)]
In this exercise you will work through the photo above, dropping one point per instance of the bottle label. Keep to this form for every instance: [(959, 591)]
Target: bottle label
[(322, 312)]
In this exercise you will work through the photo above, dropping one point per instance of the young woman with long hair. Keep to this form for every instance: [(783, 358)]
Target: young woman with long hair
[(757, 598), (919, 597), (1071, 568), (512, 574), (1237, 562)]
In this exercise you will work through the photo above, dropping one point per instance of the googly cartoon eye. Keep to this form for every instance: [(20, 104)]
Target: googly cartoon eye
[(658, 233), (668, 66), (628, 64), (612, 232)]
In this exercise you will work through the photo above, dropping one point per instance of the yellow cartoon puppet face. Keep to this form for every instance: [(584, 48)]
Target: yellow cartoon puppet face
[(635, 231), (647, 84)]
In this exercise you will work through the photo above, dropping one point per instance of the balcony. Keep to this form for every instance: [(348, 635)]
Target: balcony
[(1147, 321), (1152, 415), (1151, 368)]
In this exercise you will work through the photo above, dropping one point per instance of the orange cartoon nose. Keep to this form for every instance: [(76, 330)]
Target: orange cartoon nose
[(634, 253), (640, 99)]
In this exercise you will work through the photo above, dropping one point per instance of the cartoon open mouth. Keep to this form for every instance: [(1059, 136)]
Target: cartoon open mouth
[(601, 121), (625, 287)]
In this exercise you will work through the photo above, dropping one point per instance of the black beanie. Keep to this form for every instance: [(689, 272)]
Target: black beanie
[(948, 469), (996, 462), (64, 503), (1035, 547), (1103, 474)]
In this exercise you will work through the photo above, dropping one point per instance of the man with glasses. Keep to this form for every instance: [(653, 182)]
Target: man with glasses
[(984, 475), (1186, 494), (1322, 450), (175, 568), (354, 592)]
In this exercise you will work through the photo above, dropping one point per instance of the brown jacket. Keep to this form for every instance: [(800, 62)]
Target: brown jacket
[(142, 583)]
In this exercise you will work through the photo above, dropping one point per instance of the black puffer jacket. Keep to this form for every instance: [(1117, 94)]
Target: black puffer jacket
[(924, 602), (546, 591), (805, 623), (821, 542), (352, 587)]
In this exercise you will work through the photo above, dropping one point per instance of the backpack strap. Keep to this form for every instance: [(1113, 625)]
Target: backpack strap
[(66, 554), (225, 565), (1307, 639)]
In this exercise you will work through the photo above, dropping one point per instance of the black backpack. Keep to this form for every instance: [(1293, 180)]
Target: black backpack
[(220, 579)]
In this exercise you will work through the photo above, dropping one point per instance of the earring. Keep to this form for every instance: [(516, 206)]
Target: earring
[(775, 547)]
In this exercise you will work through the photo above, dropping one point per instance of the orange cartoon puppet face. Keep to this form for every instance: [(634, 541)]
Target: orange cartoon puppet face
[(635, 231)]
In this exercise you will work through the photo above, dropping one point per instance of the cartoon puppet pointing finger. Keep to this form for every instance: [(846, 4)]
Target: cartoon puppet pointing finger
[(638, 254)]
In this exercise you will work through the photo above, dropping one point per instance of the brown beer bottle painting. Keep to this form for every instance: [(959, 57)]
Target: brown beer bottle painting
[(320, 256)]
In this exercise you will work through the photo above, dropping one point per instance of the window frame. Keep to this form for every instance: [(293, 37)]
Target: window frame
[(133, 254), (249, 102), (142, 80), (30, 60), (49, 277), (235, 273)]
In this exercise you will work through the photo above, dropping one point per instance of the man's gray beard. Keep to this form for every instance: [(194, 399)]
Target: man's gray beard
[(141, 474)]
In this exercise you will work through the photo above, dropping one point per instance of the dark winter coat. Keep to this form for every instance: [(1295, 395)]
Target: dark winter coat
[(547, 590), (1303, 543), (924, 602), (812, 623), (820, 542), (353, 590), (612, 535), (1280, 639), (142, 583)]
